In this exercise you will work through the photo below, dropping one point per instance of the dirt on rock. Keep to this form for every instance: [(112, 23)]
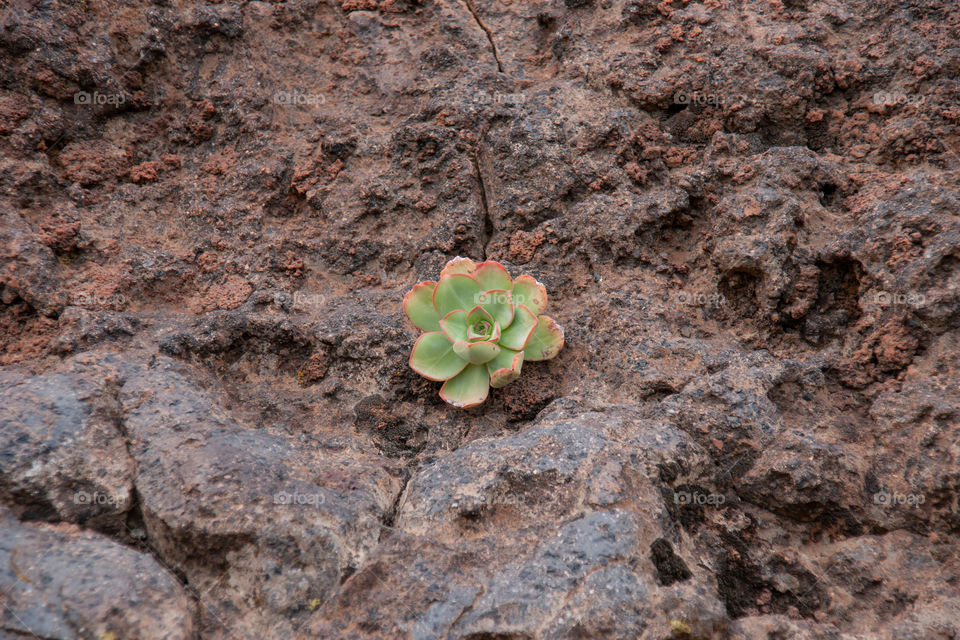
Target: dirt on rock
[(747, 217)]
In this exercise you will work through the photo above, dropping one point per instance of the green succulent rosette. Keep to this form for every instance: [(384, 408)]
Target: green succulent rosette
[(479, 326)]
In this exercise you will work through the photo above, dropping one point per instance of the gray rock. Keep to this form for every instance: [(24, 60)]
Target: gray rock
[(249, 516), (525, 595), (545, 533), (63, 583), (62, 452)]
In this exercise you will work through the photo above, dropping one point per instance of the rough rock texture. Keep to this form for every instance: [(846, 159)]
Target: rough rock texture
[(65, 583), (62, 456), (747, 216)]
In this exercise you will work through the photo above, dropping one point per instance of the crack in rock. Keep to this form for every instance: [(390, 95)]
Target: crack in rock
[(493, 45), (487, 230)]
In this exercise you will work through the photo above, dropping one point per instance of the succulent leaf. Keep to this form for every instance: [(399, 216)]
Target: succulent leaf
[(546, 341), (454, 292), (499, 304), (479, 314), (518, 333), (433, 357), (492, 275), (529, 292), (465, 266), (475, 333), (476, 352), (418, 305), (495, 334), (454, 325), (505, 368), (469, 388)]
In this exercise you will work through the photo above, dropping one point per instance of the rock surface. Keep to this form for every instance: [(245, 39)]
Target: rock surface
[(65, 583), (746, 217), (62, 455)]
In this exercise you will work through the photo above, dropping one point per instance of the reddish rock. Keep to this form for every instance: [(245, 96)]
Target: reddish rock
[(746, 222), (64, 582), (144, 172)]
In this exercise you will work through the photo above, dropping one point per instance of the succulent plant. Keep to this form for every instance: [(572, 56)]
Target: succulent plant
[(479, 325)]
